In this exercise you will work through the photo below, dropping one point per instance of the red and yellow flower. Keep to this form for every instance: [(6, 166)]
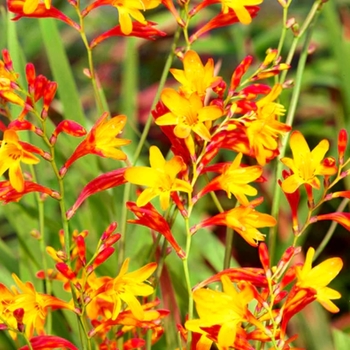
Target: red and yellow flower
[(12, 153), (102, 140)]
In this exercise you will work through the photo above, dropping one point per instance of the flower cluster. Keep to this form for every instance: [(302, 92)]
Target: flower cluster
[(223, 139)]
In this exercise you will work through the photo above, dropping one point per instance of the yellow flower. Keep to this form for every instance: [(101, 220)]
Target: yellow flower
[(234, 180), (131, 8), (187, 114), (126, 286), (31, 5), (195, 78), (160, 178), (244, 220), (227, 309), (35, 306), (319, 277), (102, 140), (263, 129), (238, 6), (12, 153), (7, 81), (306, 164)]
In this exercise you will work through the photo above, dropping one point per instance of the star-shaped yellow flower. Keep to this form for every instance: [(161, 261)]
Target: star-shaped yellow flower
[(160, 178), (12, 153), (128, 9), (306, 164), (126, 286), (187, 114), (227, 310), (239, 7), (195, 77), (319, 277)]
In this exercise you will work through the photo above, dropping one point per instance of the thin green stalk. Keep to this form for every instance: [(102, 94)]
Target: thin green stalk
[(100, 105), (47, 285), (310, 21), (188, 280), (127, 187)]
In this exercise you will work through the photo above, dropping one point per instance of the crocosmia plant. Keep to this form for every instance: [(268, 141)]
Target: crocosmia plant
[(174, 175)]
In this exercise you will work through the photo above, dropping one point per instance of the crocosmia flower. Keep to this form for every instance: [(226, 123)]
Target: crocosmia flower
[(35, 305), (319, 277), (244, 220), (239, 7), (160, 178), (195, 77), (234, 180), (187, 115), (306, 164), (12, 153), (127, 9), (102, 140), (126, 286), (224, 310), (8, 85)]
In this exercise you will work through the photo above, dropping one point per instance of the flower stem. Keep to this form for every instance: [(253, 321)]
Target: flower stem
[(308, 28)]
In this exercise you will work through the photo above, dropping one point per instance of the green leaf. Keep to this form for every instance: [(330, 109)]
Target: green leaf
[(341, 340), (62, 72)]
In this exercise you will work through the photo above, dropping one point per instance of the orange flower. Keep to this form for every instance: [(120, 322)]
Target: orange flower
[(306, 164), (319, 277), (102, 140), (126, 286), (31, 5), (127, 9), (160, 178), (234, 180), (41, 11), (244, 220), (239, 7), (12, 153), (195, 78)]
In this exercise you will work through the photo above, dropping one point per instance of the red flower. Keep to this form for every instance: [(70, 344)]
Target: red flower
[(148, 216), (100, 183), (146, 31)]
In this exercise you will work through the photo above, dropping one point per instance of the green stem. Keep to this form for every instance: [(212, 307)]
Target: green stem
[(99, 103), (127, 187), (309, 24), (188, 281)]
